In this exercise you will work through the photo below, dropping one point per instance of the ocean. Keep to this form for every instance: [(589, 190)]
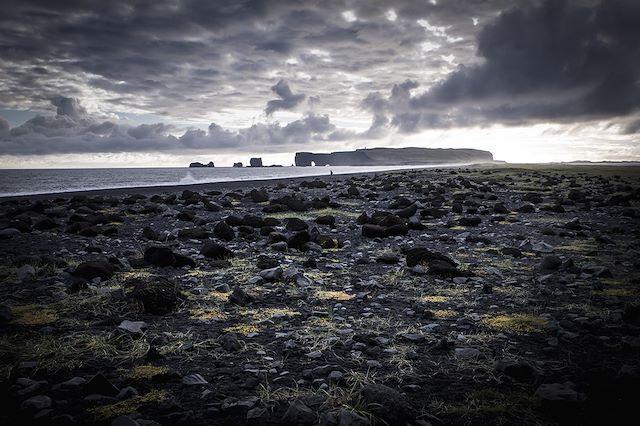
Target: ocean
[(46, 181)]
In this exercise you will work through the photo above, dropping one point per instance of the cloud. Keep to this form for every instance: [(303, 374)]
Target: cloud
[(146, 131), (196, 56), (554, 61), (69, 107), (444, 64), (4, 125), (71, 130), (632, 128), (287, 99)]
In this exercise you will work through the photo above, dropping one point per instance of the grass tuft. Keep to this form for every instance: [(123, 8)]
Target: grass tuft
[(33, 315), (311, 215), (145, 372), (128, 406), (341, 296), (518, 323)]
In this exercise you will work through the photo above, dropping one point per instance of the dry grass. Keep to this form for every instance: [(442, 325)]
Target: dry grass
[(333, 295), (144, 372), (518, 323), (317, 275), (617, 288), (578, 247), (33, 315), (311, 215), (616, 292), (444, 313), (244, 329), (394, 277), (128, 406), (434, 299), (490, 407), (241, 269), (137, 273), (262, 314), (57, 353), (206, 314), (199, 273)]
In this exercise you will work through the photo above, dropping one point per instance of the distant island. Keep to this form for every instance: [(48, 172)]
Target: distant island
[(393, 157), (196, 164)]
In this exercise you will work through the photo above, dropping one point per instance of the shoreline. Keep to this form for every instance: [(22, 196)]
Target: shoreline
[(159, 189)]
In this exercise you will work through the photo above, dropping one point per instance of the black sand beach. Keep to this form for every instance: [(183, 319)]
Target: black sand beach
[(503, 294)]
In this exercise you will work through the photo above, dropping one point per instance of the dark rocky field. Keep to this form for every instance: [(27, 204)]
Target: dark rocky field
[(484, 296)]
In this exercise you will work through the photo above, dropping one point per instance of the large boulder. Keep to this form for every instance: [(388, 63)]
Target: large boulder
[(259, 196), (373, 231), (326, 220), (387, 404), (193, 234), (296, 224), (550, 263), (223, 231), (299, 239), (94, 269), (407, 212), (216, 251), (469, 221), (157, 295), (163, 256), (436, 263)]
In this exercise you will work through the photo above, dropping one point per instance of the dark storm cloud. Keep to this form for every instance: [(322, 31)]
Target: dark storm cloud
[(287, 100), (423, 64), (556, 61), (183, 55)]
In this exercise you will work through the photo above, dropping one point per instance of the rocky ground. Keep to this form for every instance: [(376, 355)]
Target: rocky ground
[(500, 295)]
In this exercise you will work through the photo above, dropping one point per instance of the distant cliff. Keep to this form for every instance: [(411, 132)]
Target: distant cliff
[(393, 157)]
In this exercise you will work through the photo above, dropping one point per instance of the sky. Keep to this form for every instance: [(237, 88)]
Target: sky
[(128, 83)]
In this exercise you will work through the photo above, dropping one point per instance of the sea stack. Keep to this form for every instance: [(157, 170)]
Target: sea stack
[(255, 162), (197, 164), (239, 164)]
